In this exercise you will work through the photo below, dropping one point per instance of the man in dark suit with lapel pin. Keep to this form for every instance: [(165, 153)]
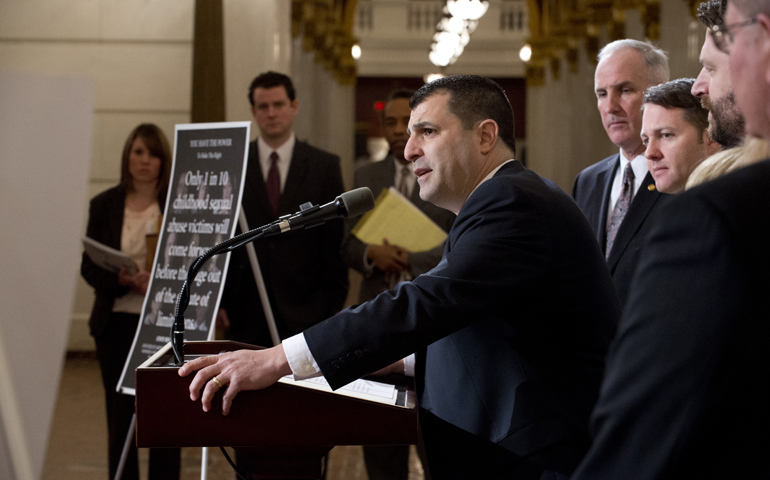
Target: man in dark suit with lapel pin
[(674, 131), (510, 329), (305, 277), (618, 194), (385, 264)]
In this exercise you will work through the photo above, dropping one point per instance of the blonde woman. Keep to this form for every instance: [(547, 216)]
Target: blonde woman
[(724, 162)]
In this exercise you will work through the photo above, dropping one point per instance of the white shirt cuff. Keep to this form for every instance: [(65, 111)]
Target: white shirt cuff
[(301, 361), (409, 365)]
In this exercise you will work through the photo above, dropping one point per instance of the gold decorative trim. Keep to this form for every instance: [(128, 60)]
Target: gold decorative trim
[(326, 28), (558, 27), (651, 20)]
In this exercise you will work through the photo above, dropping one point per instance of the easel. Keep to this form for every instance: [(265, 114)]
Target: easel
[(260, 281)]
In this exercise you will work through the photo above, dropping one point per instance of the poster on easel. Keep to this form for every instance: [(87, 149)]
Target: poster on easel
[(201, 211)]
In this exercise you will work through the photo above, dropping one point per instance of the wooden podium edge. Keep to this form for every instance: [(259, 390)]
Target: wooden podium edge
[(279, 416)]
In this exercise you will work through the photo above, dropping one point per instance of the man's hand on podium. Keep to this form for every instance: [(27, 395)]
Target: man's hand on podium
[(235, 372)]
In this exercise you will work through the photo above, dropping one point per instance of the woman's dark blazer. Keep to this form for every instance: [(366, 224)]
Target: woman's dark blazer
[(105, 223)]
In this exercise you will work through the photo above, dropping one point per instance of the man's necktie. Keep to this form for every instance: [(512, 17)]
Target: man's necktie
[(403, 181), (274, 183), (621, 207)]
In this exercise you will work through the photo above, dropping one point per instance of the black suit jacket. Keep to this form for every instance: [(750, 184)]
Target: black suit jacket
[(511, 327), (304, 275), (378, 176), (687, 388), (105, 224), (591, 191)]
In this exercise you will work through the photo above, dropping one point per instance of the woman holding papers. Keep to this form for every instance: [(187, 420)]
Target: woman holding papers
[(120, 218)]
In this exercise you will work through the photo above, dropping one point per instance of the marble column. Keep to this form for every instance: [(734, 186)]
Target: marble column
[(257, 38)]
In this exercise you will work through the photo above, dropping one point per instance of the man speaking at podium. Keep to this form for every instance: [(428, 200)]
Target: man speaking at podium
[(510, 329)]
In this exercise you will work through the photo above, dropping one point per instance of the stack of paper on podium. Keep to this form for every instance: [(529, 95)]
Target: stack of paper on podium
[(396, 218), (362, 389)]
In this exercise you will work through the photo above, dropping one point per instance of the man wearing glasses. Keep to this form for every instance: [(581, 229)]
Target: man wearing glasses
[(687, 385), (713, 84)]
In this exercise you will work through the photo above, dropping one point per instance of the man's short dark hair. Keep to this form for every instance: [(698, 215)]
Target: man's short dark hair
[(272, 79), (473, 99), (400, 93), (676, 94), (712, 12)]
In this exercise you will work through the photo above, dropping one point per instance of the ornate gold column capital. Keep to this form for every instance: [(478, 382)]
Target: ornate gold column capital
[(627, 4), (599, 12), (555, 66), (693, 4), (572, 54), (345, 68), (535, 70), (297, 10), (592, 44), (618, 24), (651, 19)]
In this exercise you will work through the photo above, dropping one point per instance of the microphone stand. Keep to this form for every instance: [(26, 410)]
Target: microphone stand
[(348, 204), (260, 282), (178, 327)]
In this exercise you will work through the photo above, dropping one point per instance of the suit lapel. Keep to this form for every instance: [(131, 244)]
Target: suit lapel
[(256, 205), (116, 209), (291, 196), (604, 179), (511, 168), (385, 175), (640, 208)]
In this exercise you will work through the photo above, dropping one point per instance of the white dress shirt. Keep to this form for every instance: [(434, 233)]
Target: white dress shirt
[(284, 152)]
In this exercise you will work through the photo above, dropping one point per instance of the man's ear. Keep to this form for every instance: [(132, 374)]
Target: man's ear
[(712, 147), (488, 130)]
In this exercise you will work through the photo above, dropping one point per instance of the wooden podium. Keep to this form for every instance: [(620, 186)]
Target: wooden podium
[(289, 428)]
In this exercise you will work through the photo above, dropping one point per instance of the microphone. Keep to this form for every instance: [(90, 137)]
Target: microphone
[(349, 204)]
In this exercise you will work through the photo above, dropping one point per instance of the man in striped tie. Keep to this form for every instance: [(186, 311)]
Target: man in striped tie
[(618, 195)]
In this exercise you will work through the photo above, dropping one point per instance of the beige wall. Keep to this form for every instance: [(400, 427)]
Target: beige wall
[(138, 54)]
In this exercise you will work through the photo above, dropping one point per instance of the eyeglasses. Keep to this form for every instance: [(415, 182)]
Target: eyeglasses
[(723, 34)]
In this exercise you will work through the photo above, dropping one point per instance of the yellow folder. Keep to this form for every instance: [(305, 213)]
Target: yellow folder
[(396, 218)]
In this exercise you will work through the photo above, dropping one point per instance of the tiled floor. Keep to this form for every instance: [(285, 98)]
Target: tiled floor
[(77, 444)]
